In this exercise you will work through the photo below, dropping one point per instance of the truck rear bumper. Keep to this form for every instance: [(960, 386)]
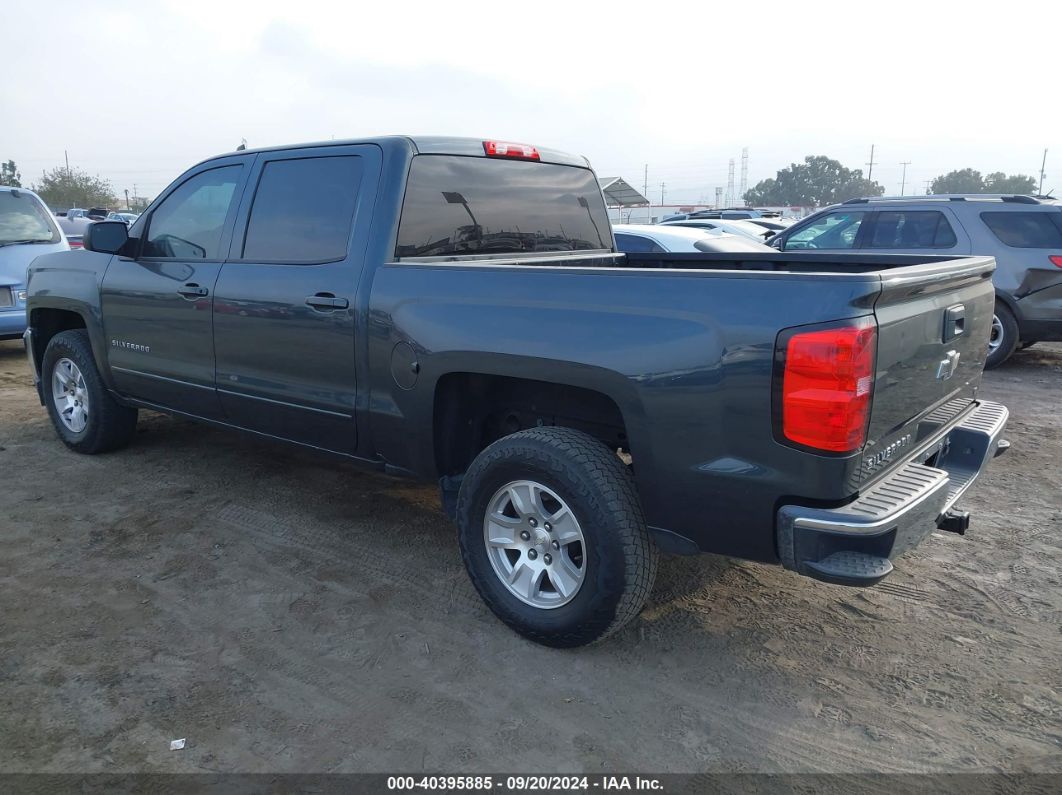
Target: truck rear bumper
[(856, 543)]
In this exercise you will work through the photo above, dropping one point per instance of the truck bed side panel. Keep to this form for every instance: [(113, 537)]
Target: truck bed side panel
[(686, 356)]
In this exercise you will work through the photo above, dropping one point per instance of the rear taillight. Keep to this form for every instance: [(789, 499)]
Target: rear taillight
[(826, 387), (1056, 260), (507, 149)]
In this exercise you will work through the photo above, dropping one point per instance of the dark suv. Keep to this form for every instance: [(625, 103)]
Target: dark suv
[(1024, 234)]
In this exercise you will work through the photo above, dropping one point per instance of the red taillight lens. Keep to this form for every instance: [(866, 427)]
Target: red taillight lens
[(1056, 260), (506, 149), (826, 387)]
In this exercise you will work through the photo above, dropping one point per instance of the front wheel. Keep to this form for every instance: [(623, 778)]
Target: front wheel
[(552, 534), (84, 414), (1003, 339)]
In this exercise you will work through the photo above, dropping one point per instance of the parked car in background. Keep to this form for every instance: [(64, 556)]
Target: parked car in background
[(744, 228), (74, 228), (657, 238), (1023, 233), (773, 224), (126, 218), (74, 212), (27, 230)]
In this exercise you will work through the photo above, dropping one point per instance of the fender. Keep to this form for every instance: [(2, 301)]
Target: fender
[(70, 281)]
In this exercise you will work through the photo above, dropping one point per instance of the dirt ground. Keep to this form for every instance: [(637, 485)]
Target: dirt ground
[(288, 613)]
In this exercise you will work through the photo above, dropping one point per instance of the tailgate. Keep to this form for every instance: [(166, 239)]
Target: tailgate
[(933, 327)]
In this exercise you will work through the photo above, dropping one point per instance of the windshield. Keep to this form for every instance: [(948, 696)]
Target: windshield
[(24, 220), (475, 205)]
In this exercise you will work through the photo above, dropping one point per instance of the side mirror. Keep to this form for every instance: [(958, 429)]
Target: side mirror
[(106, 237)]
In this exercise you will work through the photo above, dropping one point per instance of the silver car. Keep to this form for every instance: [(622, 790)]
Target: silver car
[(27, 230), (1023, 233), (661, 238)]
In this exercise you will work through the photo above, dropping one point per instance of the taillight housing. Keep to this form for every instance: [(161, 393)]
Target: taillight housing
[(827, 383), (1056, 260), (509, 149)]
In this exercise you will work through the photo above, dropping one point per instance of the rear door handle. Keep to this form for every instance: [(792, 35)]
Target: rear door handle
[(326, 301), (192, 290)]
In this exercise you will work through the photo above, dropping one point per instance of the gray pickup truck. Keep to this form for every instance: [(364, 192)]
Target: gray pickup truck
[(456, 310)]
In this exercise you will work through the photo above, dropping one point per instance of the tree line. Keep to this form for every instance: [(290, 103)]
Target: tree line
[(63, 188), (819, 181)]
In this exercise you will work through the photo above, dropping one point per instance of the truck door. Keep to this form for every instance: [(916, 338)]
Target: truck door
[(156, 305), (284, 308)]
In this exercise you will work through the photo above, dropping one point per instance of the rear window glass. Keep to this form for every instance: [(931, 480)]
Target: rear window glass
[(474, 205), (1026, 230), (636, 244), (303, 210), (24, 220), (912, 229)]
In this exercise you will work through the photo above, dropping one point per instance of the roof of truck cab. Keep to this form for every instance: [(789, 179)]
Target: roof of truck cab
[(421, 144)]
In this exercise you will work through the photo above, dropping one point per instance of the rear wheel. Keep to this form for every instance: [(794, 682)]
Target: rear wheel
[(1003, 338), (84, 414), (552, 535)]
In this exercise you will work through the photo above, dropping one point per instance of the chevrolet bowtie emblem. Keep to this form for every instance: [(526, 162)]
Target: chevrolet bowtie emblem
[(946, 368)]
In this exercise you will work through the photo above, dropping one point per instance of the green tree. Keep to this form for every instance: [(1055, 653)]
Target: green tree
[(62, 188), (1015, 183), (970, 181), (966, 180), (817, 181), (9, 175)]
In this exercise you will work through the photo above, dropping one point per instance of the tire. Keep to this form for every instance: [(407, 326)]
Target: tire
[(593, 586), (96, 423), (1004, 337)]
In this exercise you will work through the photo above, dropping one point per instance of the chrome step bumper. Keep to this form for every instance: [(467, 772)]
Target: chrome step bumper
[(855, 543)]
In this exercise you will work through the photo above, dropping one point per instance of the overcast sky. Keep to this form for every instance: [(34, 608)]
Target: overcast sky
[(138, 91)]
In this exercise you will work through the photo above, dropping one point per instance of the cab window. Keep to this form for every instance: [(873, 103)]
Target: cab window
[(188, 224)]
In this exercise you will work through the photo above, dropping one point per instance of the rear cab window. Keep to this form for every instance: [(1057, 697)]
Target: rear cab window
[(23, 219), (464, 206), (1026, 229)]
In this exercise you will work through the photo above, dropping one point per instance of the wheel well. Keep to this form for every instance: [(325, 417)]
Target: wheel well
[(473, 410), (47, 323)]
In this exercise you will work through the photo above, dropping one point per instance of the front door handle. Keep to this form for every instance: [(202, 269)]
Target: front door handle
[(326, 301), (192, 290)]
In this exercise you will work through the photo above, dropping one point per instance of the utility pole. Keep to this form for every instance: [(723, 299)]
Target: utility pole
[(903, 179), (730, 184), (870, 165), (744, 174), (645, 193), (662, 186), (1042, 164), (718, 198), (127, 198), (67, 158), (928, 183)]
